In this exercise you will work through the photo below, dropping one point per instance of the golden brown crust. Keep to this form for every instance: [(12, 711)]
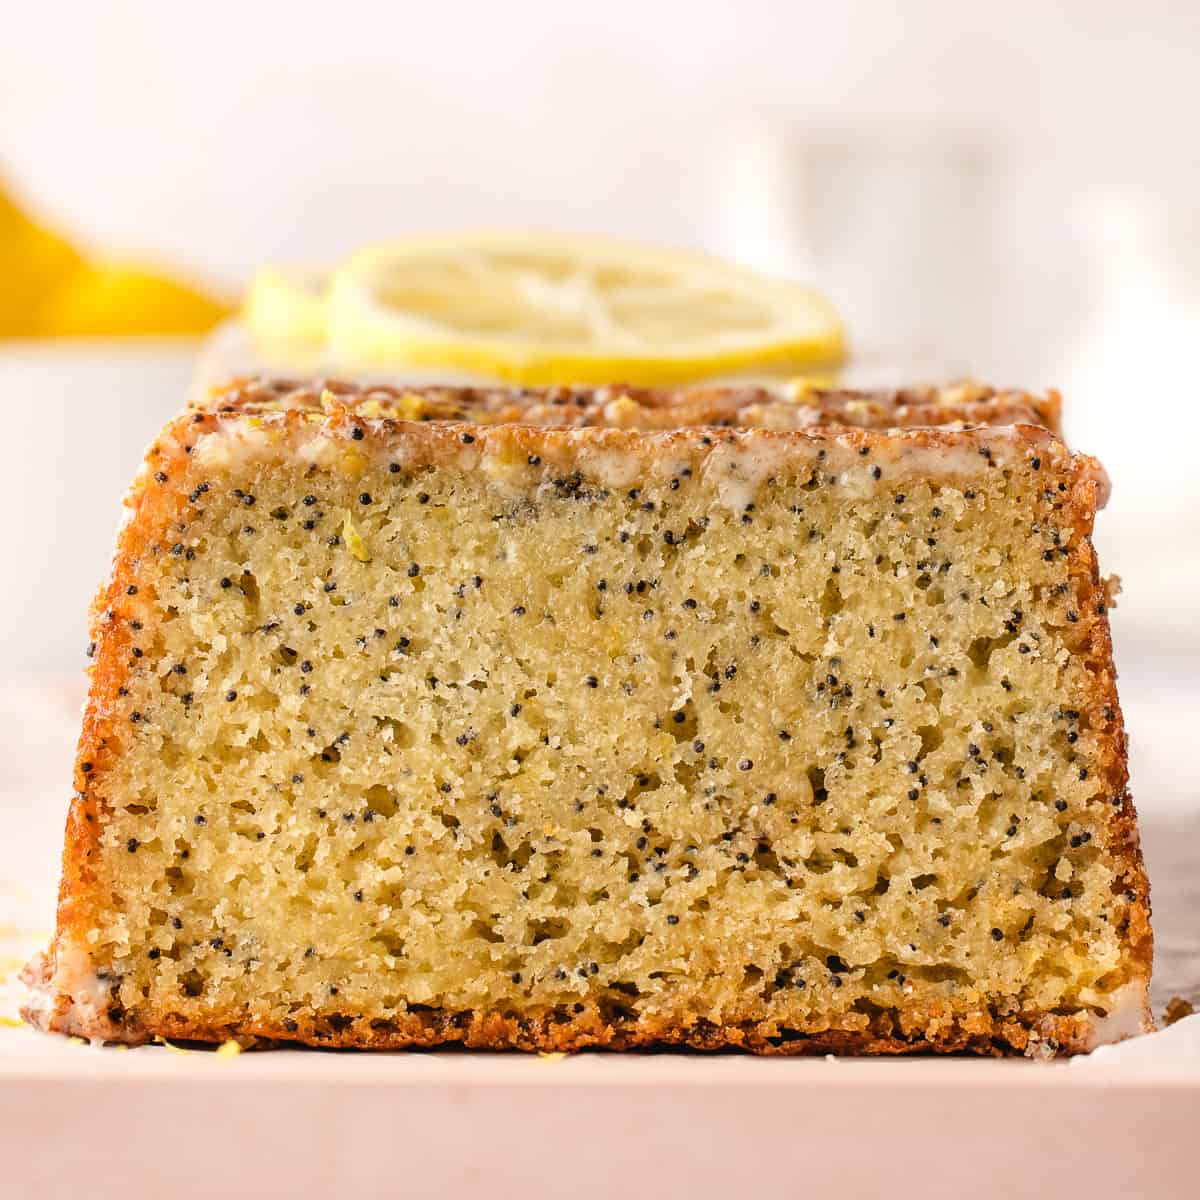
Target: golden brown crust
[(786, 407), (1094, 644), (155, 505), (151, 510)]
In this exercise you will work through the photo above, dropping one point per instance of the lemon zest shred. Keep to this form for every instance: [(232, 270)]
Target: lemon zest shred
[(354, 541)]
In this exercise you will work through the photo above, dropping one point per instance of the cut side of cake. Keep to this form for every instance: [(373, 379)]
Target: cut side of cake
[(783, 722)]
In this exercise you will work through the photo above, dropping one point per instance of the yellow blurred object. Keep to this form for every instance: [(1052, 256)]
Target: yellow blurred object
[(537, 309), (49, 289), (111, 300), (33, 262), (286, 309)]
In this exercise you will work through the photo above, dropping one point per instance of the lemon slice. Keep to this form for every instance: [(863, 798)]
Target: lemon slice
[(285, 310), (541, 310)]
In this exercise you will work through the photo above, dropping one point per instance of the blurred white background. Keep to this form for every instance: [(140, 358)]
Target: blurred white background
[(1007, 191), (1010, 190)]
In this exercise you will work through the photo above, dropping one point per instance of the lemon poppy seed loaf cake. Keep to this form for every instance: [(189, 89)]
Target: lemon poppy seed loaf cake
[(546, 720)]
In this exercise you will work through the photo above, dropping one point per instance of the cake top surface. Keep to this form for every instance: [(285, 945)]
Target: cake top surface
[(795, 405), (614, 432)]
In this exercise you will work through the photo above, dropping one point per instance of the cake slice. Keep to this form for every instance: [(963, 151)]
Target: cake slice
[(605, 718)]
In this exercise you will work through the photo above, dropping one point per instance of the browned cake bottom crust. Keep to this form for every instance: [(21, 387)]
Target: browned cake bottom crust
[(913, 1030)]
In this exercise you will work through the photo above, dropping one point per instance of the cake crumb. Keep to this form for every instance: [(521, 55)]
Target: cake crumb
[(1177, 1008)]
